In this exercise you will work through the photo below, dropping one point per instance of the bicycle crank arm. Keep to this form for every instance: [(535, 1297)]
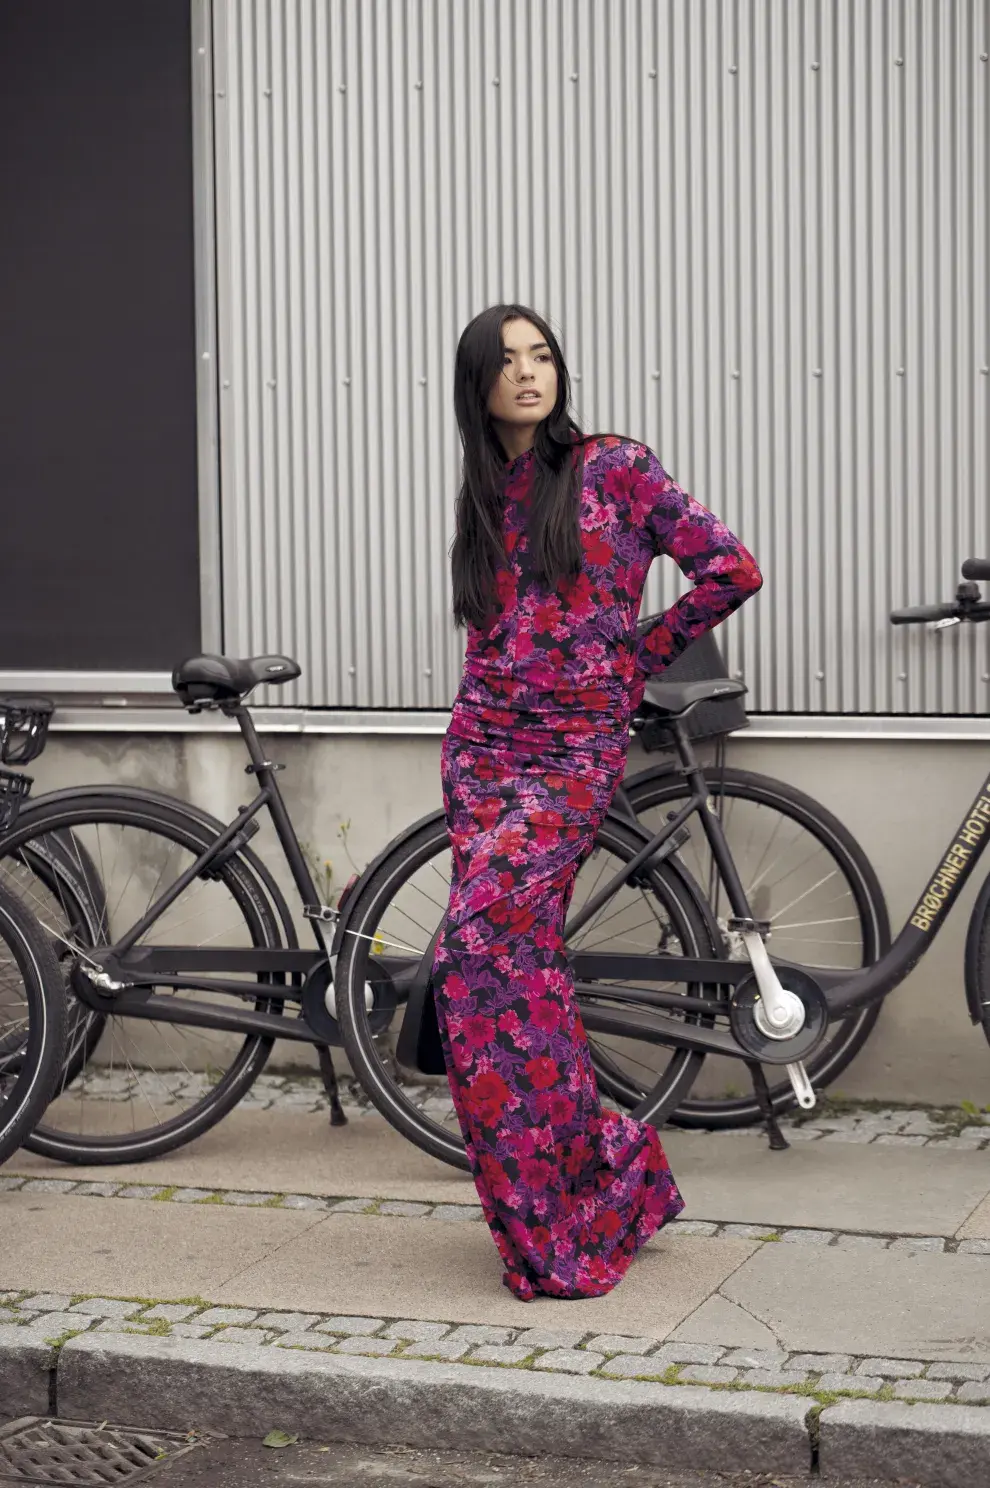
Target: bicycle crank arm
[(801, 1086), (781, 1014)]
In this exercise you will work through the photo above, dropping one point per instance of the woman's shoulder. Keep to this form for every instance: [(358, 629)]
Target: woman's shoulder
[(616, 449)]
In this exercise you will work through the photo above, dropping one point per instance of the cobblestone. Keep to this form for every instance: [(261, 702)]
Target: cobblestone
[(435, 1348), (415, 1331), (304, 1201), (708, 1374), (569, 1361), (288, 1322), (227, 1316), (456, 1211), (837, 1384), (634, 1366), (821, 1363), (469, 1333), (351, 1326), (755, 1358), (190, 1195), (363, 1345), (808, 1237), (615, 1343), (922, 1389), (106, 1307), (919, 1242), (244, 1335), (46, 1302), (141, 1191), (773, 1379), (495, 1353), (974, 1394), (958, 1372), (246, 1200), (687, 1353), (892, 1368), (552, 1338), (403, 1209), (169, 1312)]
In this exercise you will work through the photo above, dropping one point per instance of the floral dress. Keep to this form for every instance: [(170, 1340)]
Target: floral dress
[(534, 751)]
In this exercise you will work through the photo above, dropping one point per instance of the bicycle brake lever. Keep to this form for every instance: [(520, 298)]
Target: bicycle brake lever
[(801, 1086)]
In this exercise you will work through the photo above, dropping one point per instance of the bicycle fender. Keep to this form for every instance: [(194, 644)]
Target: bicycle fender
[(358, 885), (180, 808), (971, 959)]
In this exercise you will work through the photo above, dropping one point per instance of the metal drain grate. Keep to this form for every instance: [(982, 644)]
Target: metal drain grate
[(46, 1452)]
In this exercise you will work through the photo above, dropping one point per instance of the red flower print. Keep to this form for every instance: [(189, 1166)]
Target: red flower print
[(542, 1072), (486, 1097), (659, 641), (535, 1172), (547, 616), (545, 1015), (477, 1031), (608, 1223), (580, 797), (596, 549)]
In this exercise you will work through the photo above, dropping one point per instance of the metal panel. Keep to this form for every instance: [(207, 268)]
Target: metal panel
[(760, 227)]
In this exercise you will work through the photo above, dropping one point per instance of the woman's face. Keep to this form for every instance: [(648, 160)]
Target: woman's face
[(526, 390)]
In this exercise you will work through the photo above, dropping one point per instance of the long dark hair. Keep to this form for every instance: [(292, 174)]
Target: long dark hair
[(558, 448)]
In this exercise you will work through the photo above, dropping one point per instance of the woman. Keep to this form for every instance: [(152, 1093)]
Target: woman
[(555, 533)]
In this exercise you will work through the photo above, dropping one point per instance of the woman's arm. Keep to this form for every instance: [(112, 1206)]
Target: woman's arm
[(723, 572)]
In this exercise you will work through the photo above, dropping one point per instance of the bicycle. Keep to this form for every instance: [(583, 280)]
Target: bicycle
[(179, 865), (32, 998), (686, 994)]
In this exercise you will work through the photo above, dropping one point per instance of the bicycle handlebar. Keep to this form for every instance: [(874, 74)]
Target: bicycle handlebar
[(976, 568)]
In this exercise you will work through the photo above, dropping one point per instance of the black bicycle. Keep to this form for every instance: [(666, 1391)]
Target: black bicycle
[(662, 977), (32, 996), (183, 962)]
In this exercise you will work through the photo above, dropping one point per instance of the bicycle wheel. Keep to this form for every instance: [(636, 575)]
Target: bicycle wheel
[(806, 875), (59, 882), (32, 1022), (393, 919), (977, 959), (148, 1087)]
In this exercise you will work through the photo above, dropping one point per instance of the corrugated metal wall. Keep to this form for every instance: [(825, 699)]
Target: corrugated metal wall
[(761, 230)]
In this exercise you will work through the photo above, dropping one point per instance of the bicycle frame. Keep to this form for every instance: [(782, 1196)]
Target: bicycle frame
[(127, 969)]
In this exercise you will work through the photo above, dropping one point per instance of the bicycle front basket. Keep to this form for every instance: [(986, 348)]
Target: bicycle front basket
[(23, 727)]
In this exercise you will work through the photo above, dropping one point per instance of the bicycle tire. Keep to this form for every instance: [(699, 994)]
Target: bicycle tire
[(75, 811), (661, 787), (364, 916), (977, 960), (29, 1068)]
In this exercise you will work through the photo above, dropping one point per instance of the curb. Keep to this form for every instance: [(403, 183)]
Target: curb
[(245, 1392), (26, 1366), (178, 1383), (938, 1445)]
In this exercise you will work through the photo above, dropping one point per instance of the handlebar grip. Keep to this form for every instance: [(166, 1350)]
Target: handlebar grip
[(976, 568), (919, 614)]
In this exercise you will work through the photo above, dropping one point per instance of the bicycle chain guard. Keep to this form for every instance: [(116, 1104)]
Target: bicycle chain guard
[(747, 1033)]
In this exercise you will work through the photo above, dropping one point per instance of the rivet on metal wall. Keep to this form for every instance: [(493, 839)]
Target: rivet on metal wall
[(986, 676), (902, 676), (574, 77), (819, 676), (418, 83), (656, 375), (494, 82), (351, 671), (205, 357), (226, 382), (267, 92), (985, 371), (422, 382), (816, 371), (341, 87), (735, 372), (900, 371), (220, 93), (427, 671), (653, 72), (898, 61), (346, 381), (984, 56), (815, 66), (576, 376), (271, 382), (201, 51), (733, 67)]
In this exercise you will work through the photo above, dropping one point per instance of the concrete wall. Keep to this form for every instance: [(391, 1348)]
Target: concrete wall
[(901, 799)]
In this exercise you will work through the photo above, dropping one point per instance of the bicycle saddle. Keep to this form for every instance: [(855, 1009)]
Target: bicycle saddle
[(201, 680), (673, 699)]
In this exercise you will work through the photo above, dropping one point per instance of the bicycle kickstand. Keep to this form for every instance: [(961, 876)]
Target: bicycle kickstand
[(337, 1115), (778, 1142)]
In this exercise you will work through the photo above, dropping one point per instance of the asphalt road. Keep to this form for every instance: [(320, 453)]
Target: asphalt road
[(247, 1464)]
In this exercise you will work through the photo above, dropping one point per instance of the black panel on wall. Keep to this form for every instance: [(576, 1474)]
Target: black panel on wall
[(99, 545)]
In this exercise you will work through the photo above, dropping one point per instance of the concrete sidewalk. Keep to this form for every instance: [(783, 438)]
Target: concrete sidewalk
[(837, 1269)]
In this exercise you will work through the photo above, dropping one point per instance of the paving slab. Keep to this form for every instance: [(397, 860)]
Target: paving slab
[(415, 1269), (288, 1152), (132, 1248), (350, 1398), (977, 1226), (887, 1190), (896, 1304)]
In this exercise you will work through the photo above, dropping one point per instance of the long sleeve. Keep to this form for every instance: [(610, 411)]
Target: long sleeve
[(723, 572)]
